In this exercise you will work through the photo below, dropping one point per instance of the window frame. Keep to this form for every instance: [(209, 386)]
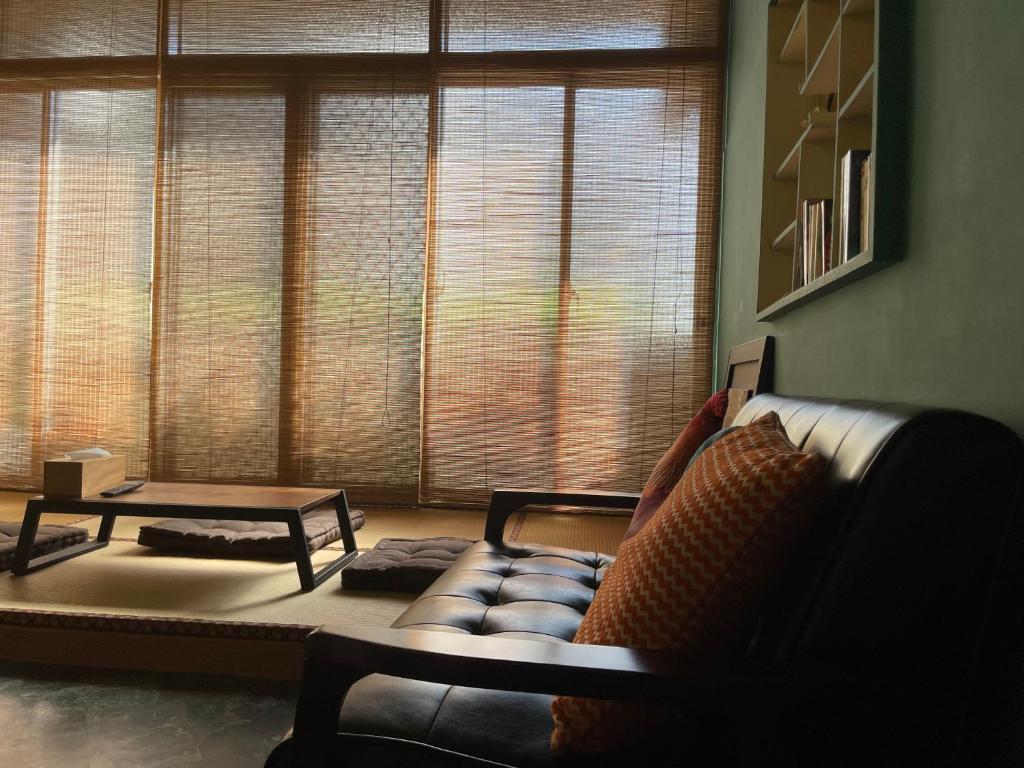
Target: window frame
[(297, 75)]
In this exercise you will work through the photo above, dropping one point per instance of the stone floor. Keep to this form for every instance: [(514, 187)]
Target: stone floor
[(67, 716)]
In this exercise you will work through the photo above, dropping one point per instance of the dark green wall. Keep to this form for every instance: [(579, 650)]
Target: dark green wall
[(946, 325)]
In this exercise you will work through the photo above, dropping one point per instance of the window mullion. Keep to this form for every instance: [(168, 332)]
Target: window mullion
[(299, 114), (435, 40), (38, 368), (565, 290), (156, 261)]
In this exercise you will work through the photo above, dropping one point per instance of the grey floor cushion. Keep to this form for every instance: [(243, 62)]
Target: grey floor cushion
[(403, 565), (49, 538), (243, 538)]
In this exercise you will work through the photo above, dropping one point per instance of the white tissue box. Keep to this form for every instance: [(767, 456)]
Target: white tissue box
[(77, 478)]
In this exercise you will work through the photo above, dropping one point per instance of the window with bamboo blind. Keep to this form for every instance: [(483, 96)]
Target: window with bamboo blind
[(76, 201), (415, 248)]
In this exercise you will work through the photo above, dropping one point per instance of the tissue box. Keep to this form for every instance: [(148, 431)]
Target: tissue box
[(77, 478)]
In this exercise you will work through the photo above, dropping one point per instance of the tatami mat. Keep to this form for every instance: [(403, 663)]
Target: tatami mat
[(594, 533), (133, 607), (126, 579)]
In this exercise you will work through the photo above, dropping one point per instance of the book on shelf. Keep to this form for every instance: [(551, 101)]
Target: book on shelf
[(798, 238), (854, 204), (865, 203), (813, 252)]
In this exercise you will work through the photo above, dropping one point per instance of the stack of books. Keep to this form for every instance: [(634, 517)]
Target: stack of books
[(813, 241), (814, 254), (853, 215)]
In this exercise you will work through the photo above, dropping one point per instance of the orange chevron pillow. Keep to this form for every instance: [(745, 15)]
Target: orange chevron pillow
[(697, 574)]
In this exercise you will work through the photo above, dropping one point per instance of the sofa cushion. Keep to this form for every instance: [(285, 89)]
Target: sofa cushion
[(244, 538), (49, 538), (403, 565), (446, 718), (696, 576), (388, 721), (525, 591), (511, 590), (672, 465)]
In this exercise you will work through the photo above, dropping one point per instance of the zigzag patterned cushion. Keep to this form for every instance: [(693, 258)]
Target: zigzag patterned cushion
[(696, 576)]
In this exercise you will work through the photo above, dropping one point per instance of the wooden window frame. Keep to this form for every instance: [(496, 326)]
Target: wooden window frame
[(298, 75)]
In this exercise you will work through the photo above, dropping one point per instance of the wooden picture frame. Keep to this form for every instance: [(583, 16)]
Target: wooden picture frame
[(749, 373)]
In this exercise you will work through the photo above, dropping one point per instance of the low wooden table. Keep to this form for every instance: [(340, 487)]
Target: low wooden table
[(194, 501)]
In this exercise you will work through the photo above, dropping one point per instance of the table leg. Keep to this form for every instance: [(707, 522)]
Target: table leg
[(307, 578), (301, 549), (27, 537), (348, 537), (106, 527), (24, 563)]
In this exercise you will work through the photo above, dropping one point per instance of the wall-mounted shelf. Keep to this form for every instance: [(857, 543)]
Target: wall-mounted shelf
[(821, 79), (787, 171), (856, 267), (853, 7), (794, 50), (786, 238), (835, 82), (861, 101)]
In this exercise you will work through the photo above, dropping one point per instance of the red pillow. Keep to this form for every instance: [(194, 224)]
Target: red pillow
[(672, 465)]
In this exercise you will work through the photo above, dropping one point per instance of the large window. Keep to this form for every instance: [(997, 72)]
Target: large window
[(76, 185), (418, 249), (568, 322)]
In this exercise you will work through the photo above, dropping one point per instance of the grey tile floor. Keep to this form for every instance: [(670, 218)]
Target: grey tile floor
[(66, 716)]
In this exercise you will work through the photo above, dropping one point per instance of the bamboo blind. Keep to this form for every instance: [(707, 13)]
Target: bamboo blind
[(517, 25), (74, 28), (298, 26), (569, 323), (414, 248), (76, 179)]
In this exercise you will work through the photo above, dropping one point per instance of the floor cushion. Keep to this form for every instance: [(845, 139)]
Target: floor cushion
[(244, 538), (49, 538), (403, 565)]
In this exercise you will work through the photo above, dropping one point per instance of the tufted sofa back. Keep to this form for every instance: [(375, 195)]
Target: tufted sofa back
[(898, 576)]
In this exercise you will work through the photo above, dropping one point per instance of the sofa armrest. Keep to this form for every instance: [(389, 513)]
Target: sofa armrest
[(536, 666), (337, 656), (506, 501)]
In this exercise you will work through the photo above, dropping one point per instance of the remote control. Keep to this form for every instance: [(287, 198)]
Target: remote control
[(128, 487)]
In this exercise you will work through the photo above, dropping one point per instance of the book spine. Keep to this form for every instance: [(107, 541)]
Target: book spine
[(855, 196), (798, 234), (826, 236), (808, 242), (865, 204), (819, 245), (844, 208)]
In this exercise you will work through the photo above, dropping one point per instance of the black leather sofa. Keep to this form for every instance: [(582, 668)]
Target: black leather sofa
[(890, 640)]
